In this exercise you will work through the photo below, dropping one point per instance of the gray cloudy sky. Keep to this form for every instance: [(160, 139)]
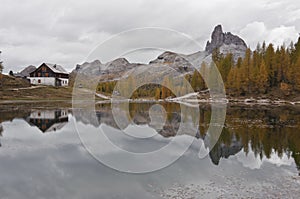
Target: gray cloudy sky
[(64, 32)]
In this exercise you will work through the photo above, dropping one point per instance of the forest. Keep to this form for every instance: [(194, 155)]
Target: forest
[(267, 71)]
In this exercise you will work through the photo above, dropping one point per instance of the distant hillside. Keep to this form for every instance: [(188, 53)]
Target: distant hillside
[(26, 71), (9, 82)]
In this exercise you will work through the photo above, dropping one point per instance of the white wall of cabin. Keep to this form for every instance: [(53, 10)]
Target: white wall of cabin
[(42, 115), (49, 81), (48, 114), (64, 81)]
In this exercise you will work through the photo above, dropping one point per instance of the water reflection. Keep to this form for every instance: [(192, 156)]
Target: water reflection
[(263, 130), (253, 140), (48, 120)]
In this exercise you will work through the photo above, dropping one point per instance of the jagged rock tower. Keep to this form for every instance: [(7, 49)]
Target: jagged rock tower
[(226, 43)]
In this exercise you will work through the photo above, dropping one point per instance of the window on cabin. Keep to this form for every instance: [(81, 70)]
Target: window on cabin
[(46, 74), (39, 74), (39, 81)]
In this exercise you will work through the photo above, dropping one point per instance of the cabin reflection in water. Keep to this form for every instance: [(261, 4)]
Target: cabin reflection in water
[(48, 120)]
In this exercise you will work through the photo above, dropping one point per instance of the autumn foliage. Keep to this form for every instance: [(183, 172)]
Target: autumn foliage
[(259, 72)]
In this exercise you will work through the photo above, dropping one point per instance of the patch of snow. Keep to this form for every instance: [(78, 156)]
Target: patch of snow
[(189, 95), (102, 96), (263, 101)]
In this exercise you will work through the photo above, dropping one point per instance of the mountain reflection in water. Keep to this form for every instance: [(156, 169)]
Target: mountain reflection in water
[(262, 132)]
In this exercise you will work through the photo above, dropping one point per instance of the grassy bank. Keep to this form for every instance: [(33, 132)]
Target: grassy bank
[(12, 88), (37, 93), (17, 89)]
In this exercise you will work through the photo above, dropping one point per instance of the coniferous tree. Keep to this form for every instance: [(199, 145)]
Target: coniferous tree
[(231, 83), (297, 74), (165, 92), (244, 73), (270, 62), (204, 74), (263, 77), (196, 81), (11, 73), (157, 94), (225, 65)]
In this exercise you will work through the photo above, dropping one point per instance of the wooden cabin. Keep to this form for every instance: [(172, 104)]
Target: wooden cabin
[(49, 74)]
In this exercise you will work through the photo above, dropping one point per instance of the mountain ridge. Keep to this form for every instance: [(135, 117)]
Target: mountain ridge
[(226, 42)]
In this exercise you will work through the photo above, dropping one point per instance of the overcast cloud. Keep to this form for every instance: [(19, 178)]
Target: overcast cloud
[(64, 32)]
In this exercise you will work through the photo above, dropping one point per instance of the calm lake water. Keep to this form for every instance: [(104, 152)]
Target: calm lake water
[(257, 154)]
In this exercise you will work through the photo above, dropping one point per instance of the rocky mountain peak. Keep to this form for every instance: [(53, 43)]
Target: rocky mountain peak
[(87, 64), (177, 61), (226, 43), (26, 71), (166, 57), (96, 62), (219, 38), (118, 62)]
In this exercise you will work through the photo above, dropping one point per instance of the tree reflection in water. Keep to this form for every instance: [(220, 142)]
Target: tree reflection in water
[(264, 130)]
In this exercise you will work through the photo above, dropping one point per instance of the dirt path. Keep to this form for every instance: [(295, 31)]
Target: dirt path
[(26, 88)]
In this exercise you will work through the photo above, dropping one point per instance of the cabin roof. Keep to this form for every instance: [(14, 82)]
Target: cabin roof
[(56, 68), (55, 127)]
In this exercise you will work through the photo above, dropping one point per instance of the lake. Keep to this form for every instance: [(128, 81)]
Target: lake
[(60, 151)]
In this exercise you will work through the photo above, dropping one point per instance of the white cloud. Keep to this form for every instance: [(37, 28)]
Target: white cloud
[(256, 32), (254, 162), (253, 33), (282, 34), (64, 32)]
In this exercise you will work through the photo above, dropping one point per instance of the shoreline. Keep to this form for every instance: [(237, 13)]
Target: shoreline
[(37, 94), (230, 101)]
